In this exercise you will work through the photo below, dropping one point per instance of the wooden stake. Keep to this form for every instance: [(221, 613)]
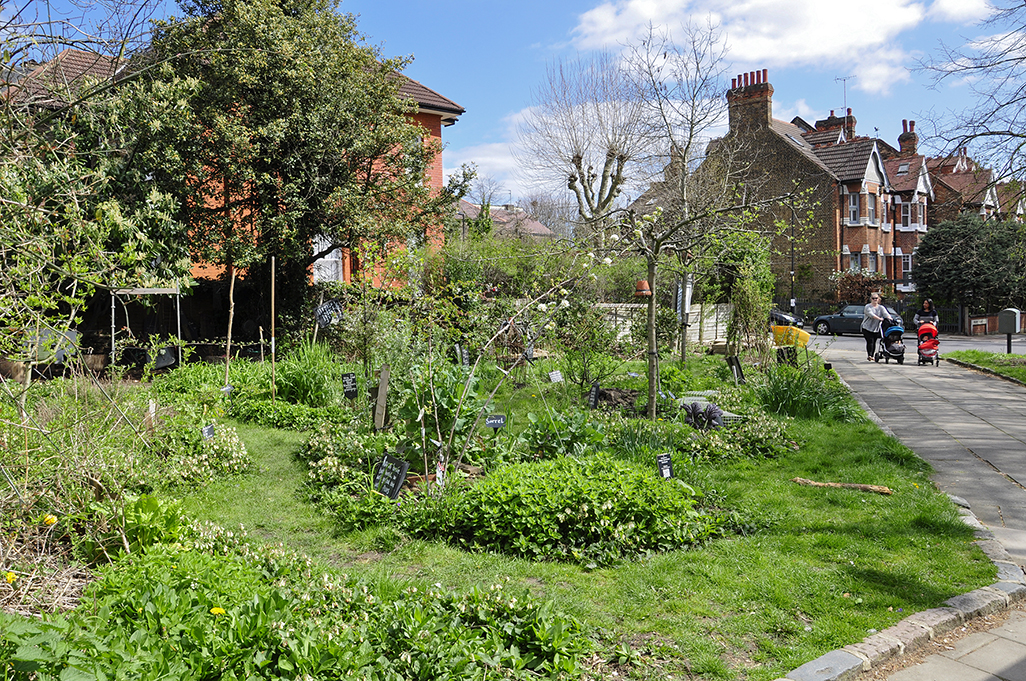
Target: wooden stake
[(273, 384), (231, 319)]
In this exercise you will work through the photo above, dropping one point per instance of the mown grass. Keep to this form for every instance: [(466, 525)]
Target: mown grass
[(816, 569), (1013, 366)]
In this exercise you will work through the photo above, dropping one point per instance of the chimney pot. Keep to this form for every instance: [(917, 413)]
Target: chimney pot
[(765, 73), (904, 125), (911, 126), (831, 113), (849, 110), (733, 83)]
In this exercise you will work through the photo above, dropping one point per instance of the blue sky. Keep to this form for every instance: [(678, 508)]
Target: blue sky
[(488, 57)]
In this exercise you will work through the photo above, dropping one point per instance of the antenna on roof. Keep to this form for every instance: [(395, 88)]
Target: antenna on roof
[(844, 86)]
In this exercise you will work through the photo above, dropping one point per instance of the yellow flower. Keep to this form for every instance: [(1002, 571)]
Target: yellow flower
[(50, 519), (217, 611), (10, 577)]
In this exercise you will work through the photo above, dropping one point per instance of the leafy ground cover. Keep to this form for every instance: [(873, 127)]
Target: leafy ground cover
[(774, 574), (1013, 366)]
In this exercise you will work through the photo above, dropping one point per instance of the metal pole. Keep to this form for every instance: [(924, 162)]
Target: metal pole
[(273, 385), (178, 310), (793, 306)]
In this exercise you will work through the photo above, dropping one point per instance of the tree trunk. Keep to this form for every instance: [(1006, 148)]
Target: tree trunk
[(653, 354)]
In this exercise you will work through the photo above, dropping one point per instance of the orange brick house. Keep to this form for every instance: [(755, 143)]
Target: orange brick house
[(435, 112)]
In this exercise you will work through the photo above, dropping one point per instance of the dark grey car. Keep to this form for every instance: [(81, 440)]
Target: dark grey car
[(847, 320)]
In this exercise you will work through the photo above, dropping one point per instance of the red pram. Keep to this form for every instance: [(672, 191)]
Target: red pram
[(928, 347)]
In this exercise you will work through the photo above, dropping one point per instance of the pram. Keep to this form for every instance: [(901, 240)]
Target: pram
[(927, 346), (891, 346)]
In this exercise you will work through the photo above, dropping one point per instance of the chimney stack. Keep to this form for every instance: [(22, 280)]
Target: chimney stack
[(908, 140), (750, 100)]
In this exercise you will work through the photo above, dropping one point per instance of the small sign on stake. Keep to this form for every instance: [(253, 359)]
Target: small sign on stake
[(349, 388), (390, 475), (665, 463), (208, 432), (556, 376), (465, 356), (495, 421), (593, 396)]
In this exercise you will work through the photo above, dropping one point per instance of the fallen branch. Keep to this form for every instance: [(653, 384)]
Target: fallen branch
[(879, 489)]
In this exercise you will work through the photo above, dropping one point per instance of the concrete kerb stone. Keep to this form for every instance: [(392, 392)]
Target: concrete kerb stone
[(915, 630)]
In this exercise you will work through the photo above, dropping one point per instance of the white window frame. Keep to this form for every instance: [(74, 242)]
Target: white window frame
[(853, 208), (906, 263), (855, 262), (871, 265), (906, 214), (871, 208)]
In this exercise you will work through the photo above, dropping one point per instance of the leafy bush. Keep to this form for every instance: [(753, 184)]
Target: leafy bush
[(556, 434), (437, 401), (584, 339), (757, 436), (192, 459), (597, 510), (806, 393), (239, 612), (110, 527)]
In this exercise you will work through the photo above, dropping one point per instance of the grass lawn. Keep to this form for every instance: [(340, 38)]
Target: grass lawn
[(1013, 366), (817, 568)]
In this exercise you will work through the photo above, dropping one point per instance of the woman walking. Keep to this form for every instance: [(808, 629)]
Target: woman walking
[(927, 313), (872, 318)]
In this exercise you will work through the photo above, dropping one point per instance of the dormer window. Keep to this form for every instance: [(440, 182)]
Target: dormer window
[(903, 169)]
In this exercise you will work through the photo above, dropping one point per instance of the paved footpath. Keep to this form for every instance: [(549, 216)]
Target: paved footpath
[(971, 428)]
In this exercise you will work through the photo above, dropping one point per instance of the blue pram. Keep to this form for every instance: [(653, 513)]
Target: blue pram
[(890, 346)]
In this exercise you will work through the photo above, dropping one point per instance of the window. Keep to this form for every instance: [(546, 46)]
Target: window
[(906, 264), (906, 214), (871, 208), (872, 262), (853, 208), (903, 169), (854, 262)]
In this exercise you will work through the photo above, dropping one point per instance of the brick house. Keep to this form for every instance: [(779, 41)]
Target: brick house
[(962, 186), (434, 113), (871, 199)]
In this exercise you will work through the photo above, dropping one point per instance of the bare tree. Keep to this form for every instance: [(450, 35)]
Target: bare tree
[(993, 68), (557, 211), (707, 191), (486, 190), (585, 131)]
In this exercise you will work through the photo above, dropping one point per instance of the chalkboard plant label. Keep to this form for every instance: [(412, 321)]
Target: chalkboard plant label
[(665, 463), (349, 388), (495, 421), (389, 476), (208, 432), (556, 376), (593, 396)]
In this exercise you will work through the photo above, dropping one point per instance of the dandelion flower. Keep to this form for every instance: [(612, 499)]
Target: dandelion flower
[(10, 577), (217, 611), (50, 519)]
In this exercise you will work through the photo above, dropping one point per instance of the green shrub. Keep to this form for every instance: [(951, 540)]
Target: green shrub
[(597, 510), (192, 459), (110, 527), (556, 434), (237, 611)]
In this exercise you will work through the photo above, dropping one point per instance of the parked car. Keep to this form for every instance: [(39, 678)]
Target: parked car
[(781, 318), (847, 320)]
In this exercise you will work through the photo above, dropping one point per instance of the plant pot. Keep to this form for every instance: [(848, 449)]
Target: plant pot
[(96, 363)]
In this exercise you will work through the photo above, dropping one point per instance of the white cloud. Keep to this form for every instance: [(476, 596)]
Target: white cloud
[(960, 11), (494, 160), (782, 33), (799, 108)]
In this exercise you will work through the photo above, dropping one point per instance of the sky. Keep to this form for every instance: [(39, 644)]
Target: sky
[(491, 57)]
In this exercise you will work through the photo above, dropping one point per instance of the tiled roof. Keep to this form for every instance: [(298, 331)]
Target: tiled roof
[(848, 161), (907, 181), (428, 98), (793, 135), (513, 222), (824, 137), (971, 185), (53, 83)]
